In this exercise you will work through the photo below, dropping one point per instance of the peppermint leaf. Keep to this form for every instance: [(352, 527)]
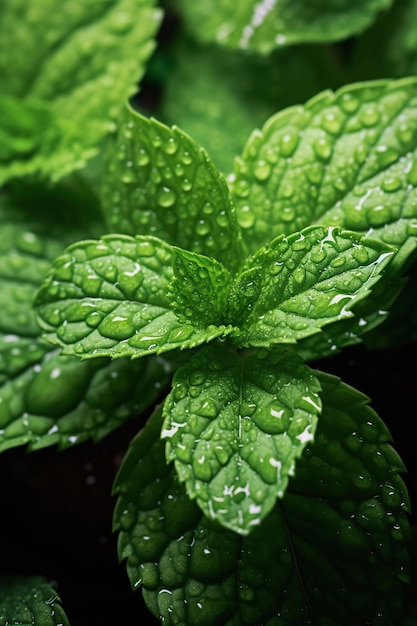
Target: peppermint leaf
[(69, 71), (160, 183), (298, 284), (263, 25), (235, 427), (110, 298), (343, 159), (347, 485), (45, 398)]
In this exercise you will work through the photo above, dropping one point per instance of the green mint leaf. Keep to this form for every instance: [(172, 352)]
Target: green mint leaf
[(45, 398), (347, 484), (263, 26), (160, 183), (199, 289), (235, 427), (31, 601), (346, 158), (110, 298), (79, 64), (50, 399), (249, 89), (298, 284)]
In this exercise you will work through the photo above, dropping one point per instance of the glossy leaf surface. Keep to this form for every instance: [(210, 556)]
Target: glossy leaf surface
[(343, 159), (46, 398), (161, 183), (110, 298), (235, 427), (262, 26), (66, 72), (333, 551), (298, 284)]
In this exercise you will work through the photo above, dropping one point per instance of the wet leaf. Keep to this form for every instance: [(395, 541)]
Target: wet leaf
[(161, 183), (333, 551), (66, 72), (235, 427), (45, 398), (296, 285), (343, 159), (110, 298), (263, 26), (32, 600)]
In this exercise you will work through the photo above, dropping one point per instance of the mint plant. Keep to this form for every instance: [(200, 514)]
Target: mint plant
[(259, 489)]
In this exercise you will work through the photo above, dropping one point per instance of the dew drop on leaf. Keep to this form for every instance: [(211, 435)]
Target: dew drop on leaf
[(412, 174), (171, 146), (117, 327), (379, 215), (391, 183), (323, 148), (287, 214), (369, 115), (166, 197), (332, 121), (349, 103), (386, 155), (289, 142), (262, 171), (142, 158)]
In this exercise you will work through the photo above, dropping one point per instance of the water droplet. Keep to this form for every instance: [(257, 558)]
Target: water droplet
[(128, 175), (391, 183), (186, 158), (360, 154), (406, 133), (360, 254), (127, 517), (202, 227), (349, 103), (180, 334), (287, 214), (94, 319), (411, 173), (197, 377), (369, 115), (242, 188), (289, 142), (323, 148), (201, 468), (299, 275), (166, 197), (246, 217), (262, 170), (287, 190), (142, 158), (379, 215), (332, 121), (171, 146), (117, 327), (208, 408), (145, 248), (386, 155)]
